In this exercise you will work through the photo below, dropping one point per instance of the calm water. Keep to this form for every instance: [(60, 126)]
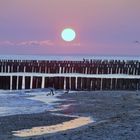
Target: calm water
[(20, 102), (66, 57)]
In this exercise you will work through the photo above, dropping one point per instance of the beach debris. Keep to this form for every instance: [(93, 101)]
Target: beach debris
[(50, 93), (67, 91)]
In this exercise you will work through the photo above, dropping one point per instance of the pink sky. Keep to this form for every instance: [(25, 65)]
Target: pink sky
[(103, 27)]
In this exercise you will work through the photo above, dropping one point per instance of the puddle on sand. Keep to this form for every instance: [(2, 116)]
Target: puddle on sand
[(42, 130)]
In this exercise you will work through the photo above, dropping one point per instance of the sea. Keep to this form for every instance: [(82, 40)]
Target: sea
[(27, 101), (68, 57)]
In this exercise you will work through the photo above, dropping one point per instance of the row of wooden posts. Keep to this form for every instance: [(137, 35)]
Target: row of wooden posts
[(72, 83), (84, 67)]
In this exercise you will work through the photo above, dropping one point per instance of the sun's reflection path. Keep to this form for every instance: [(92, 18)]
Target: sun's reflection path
[(42, 130)]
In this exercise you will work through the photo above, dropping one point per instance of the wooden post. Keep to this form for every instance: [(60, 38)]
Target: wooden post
[(65, 83), (46, 82), (14, 82), (73, 83), (61, 82), (43, 82), (17, 82), (76, 84), (23, 82), (56, 82), (101, 87), (27, 82), (20, 82)]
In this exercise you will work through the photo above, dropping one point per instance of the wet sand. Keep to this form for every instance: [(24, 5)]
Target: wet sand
[(116, 115)]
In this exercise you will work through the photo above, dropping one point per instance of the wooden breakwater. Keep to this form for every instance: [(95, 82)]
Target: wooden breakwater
[(26, 74)]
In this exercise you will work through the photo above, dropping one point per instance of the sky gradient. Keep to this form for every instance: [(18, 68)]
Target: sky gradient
[(103, 27)]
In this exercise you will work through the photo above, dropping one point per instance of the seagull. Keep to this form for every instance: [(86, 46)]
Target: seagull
[(136, 42)]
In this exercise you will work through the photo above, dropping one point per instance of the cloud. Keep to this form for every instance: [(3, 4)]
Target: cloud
[(42, 43), (77, 44), (9, 43)]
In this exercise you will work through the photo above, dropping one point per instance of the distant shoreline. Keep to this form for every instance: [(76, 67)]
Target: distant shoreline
[(68, 57)]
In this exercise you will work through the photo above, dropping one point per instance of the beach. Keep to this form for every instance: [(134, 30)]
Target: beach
[(115, 115)]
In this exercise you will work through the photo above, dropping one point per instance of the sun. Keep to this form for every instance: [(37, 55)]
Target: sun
[(68, 34)]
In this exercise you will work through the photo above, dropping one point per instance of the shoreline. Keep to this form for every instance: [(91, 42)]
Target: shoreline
[(27, 101), (116, 115)]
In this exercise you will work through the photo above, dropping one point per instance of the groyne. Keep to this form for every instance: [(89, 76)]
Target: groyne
[(73, 75)]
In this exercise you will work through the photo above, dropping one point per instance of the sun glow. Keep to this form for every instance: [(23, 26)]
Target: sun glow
[(68, 34)]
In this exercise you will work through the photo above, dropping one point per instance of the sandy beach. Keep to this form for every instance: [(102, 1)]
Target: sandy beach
[(115, 114)]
